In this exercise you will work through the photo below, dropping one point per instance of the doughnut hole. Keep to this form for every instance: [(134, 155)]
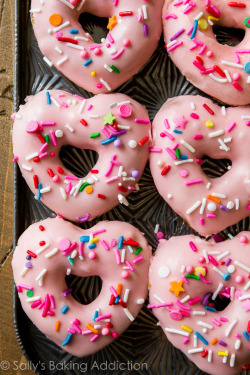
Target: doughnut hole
[(85, 289), (220, 302), (79, 162), (95, 26), (215, 168), (228, 35)]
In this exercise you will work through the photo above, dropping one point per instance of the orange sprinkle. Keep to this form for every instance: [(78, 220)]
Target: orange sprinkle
[(214, 341), (217, 200), (119, 289), (89, 189), (55, 19), (57, 325), (91, 328)]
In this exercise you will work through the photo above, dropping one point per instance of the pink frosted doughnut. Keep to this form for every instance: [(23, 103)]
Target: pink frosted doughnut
[(219, 70), (52, 119), (52, 248), (185, 130), (205, 312), (134, 31)]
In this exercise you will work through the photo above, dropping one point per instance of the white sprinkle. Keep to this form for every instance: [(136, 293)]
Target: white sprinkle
[(69, 127), (221, 80), (229, 63), (218, 271), (81, 38), (45, 190), (228, 76), (205, 255), (218, 195), (35, 10), (237, 344), (185, 299), (210, 353), (247, 286), (76, 46), (187, 145), (108, 68), (216, 134), (31, 156), (198, 350), (223, 145), (223, 255), (196, 312), (64, 195), (232, 289), (27, 168), (229, 329), (48, 61), (172, 330), (120, 171), (50, 254), (204, 201), (39, 251), (124, 127), (94, 116), (192, 105), (242, 266), (68, 4), (123, 200), (145, 13), (123, 255), (203, 324), (242, 298), (125, 102), (65, 24), (158, 298), (55, 102), (68, 272), (227, 140), (225, 357), (157, 228), (97, 326), (82, 106), (112, 105), (216, 252), (58, 50), (208, 185), (140, 301), (183, 268), (24, 271), (171, 43), (184, 161), (237, 204), (41, 274), (195, 341), (33, 299), (129, 315), (60, 62), (248, 79), (73, 254), (105, 84), (80, 5), (210, 22), (223, 110), (199, 16), (232, 360), (18, 116), (126, 293), (193, 208), (217, 291), (40, 282), (245, 117)]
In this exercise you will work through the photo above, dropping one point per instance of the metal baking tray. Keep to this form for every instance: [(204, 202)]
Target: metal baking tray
[(143, 348)]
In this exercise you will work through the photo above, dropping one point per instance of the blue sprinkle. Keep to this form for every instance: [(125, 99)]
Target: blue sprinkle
[(109, 140), (73, 31), (201, 338), (70, 260), (184, 157), (226, 276), (39, 191), (48, 97), (246, 335), (230, 236), (117, 300), (209, 308), (194, 29), (92, 246), (68, 338), (95, 315), (177, 131), (84, 238), (120, 242), (247, 67), (87, 62), (64, 309)]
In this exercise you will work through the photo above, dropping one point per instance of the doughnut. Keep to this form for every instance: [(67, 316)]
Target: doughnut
[(51, 249), (221, 71), (185, 130), (113, 125), (134, 30), (199, 292)]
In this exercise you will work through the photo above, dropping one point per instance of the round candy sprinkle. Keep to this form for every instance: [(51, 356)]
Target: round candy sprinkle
[(230, 205), (163, 271), (135, 173), (92, 255), (247, 22), (105, 331), (125, 111), (28, 257), (231, 268), (28, 265), (209, 124), (243, 239), (236, 76), (201, 259), (209, 54), (132, 143), (126, 42), (117, 143), (59, 133), (247, 67), (175, 314), (32, 127), (55, 19), (125, 274), (239, 279), (89, 190), (189, 269), (184, 173), (160, 163), (112, 242), (160, 235), (29, 293), (64, 244), (211, 207)]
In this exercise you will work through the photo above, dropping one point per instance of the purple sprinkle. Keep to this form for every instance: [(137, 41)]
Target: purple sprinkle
[(205, 299), (28, 257), (228, 262), (222, 343), (83, 219), (28, 265), (68, 291), (117, 143), (217, 237), (145, 27), (177, 34), (118, 133), (224, 208), (135, 173)]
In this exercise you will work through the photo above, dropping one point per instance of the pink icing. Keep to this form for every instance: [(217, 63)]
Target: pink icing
[(232, 189), (224, 325), (205, 46), (131, 47), (107, 179), (103, 265)]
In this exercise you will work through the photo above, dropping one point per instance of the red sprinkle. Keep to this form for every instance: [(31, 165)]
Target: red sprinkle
[(108, 324), (41, 138), (246, 367), (204, 354), (112, 300), (237, 86), (143, 140), (36, 159), (122, 188), (31, 254), (35, 179), (219, 71), (41, 227), (60, 170), (212, 12), (126, 13), (165, 170), (94, 171), (101, 196), (50, 172), (248, 326), (199, 59), (238, 5), (130, 242), (42, 243), (208, 109), (83, 122), (68, 40), (122, 303)]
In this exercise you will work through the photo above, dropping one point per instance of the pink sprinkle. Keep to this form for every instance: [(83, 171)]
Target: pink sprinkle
[(199, 161), (110, 38), (87, 332), (184, 313), (99, 232), (207, 71), (138, 259), (43, 147), (43, 155), (94, 338), (15, 158), (215, 9), (151, 149), (203, 278), (74, 178), (198, 42), (193, 182), (186, 340), (169, 136), (248, 206), (182, 306), (78, 330), (176, 45), (166, 123), (194, 115), (80, 249), (223, 319), (216, 322), (198, 136), (202, 50), (202, 222), (19, 289), (237, 59), (52, 301), (199, 66), (141, 121), (106, 132), (64, 105), (48, 123), (188, 9), (80, 97), (117, 256), (101, 317), (89, 107), (237, 86), (61, 95), (111, 179), (35, 304), (69, 187), (171, 153), (237, 335), (177, 4), (175, 146), (190, 31), (118, 54), (53, 137), (170, 15), (129, 265), (92, 48), (41, 305), (164, 305), (211, 215), (115, 335), (248, 123), (105, 245), (72, 331), (46, 306), (193, 46), (113, 291), (212, 260), (24, 286), (131, 188), (192, 245), (242, 51), (184, 279), (194, 300)]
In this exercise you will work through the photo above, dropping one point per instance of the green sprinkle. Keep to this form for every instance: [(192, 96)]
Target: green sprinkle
[(30, 293), (137, 251), (46, 138), (94, 135), (84, 185), (190, 276), (178, 154), (70, 260), (117, 71)]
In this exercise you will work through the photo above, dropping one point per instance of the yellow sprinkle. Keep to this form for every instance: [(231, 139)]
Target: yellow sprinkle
[(202, 23), (93, 74), (119, 289), (89, 190), (198, 270), (94, 240), (209, 124), (186, 328), (91, 328), (224, 354), (57, 325), (211, 18)]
